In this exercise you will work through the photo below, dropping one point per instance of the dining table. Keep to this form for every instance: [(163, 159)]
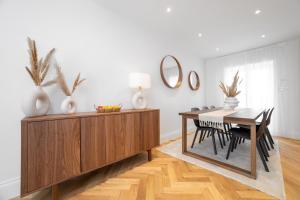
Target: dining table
[(243, 116)]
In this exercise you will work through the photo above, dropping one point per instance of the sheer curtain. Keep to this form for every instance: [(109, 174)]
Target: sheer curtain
[(257, 83), (271, 77)]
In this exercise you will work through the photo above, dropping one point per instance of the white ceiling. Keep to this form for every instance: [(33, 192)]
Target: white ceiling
[(227, 24)]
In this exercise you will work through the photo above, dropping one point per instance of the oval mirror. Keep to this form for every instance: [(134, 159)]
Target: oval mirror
[(171, 72), (194, 81)]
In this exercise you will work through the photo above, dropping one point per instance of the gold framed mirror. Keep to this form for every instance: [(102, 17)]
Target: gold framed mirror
[(194, 80), (171, 72)]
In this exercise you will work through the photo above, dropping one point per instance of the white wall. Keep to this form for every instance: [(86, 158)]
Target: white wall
[(286, 57), (103, 46)]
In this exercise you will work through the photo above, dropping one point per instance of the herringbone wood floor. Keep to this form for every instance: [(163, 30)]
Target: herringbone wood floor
[(166, 177), (169, 178)]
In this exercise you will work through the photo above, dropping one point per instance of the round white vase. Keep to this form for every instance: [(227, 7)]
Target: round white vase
[(139, 100), (230, 103), (37, 103), (69, 105)]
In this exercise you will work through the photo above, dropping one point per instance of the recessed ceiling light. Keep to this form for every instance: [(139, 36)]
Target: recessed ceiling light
[(200, 35), (263, 36), (168, 10), (217, 49), (257, 12)]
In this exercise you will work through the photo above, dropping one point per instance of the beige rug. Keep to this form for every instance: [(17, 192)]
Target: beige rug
[(268, 182)]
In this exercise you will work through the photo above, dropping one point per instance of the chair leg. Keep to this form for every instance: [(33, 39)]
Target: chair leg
[(240, 140), (214, 141), (219, 139), (265, 141), (195, 138), (233, 139), (230, 148), (264, 150), (223, 138), (227, 137), (205, 132), (243, 140), (236, 142), (269, 137), (201, 133), (262, 157)]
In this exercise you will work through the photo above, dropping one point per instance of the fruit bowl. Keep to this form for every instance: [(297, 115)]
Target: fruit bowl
[(107, 109)]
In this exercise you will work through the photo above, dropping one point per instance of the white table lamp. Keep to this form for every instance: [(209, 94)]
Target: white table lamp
[(139, 81)]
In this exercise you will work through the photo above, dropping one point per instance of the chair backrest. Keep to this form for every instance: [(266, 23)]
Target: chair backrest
[(269, 117), (196, 121), (263, 125), (204, 108), (212, 107)]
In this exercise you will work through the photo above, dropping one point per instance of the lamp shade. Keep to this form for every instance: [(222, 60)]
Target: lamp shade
[(137, 80)]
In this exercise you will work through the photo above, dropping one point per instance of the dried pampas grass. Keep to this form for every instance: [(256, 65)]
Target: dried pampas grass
[(62, 82), (231, 91), (38, 67)]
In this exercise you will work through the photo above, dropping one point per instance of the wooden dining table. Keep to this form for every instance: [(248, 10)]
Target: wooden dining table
[(244, 116)]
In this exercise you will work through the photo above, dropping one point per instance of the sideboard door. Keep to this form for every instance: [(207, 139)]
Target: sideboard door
[(150, 129), (53, 152), (132, 133), (93, 145)]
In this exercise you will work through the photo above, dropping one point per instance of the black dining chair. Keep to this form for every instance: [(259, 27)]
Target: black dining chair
[(203, 129), (245, 133), (267, 134), (206, 129)]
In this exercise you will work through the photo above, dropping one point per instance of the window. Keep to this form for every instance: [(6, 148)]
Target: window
[(257, 86)]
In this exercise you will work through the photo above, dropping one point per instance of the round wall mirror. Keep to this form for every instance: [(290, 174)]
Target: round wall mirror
[(171, 72), (194, 81)]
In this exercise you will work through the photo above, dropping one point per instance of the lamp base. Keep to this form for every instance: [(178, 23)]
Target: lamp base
[(139, 100)]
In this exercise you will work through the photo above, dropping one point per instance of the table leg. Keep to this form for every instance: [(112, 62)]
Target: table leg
[(184, 134), (149, 155), (55, 192), (253, 151)]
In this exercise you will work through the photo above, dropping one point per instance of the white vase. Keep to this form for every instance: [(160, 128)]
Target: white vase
[(69, 105), (230, 103), (37, 103)]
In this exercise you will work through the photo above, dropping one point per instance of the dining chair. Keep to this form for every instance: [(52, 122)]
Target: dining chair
[(204, 108), (207, 129), (245, 133), (212, 107), (267, 134), (202, 129)]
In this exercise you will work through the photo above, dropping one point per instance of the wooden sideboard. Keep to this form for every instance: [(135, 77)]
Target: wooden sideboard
[(55, 148)]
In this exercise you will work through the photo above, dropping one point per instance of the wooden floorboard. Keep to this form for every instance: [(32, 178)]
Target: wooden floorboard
[(290, 163), (166, 177)]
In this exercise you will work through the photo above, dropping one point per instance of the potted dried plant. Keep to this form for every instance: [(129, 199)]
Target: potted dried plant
[(231, 92), (69, 105), (37, 102)]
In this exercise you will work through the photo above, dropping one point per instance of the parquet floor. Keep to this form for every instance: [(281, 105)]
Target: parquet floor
[(169, 178), (290, 163)]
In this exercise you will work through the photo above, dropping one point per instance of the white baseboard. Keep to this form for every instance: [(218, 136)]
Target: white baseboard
[(165, 137), (10, 188)]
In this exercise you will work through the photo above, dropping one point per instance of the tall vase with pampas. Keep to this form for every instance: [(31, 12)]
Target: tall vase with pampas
[(69, 105), (37, 102), (231, 92)]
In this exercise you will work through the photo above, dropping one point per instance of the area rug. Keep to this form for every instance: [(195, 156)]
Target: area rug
[(268, 182)]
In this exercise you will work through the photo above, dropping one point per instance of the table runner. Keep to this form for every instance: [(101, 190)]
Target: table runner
[(214, 119)]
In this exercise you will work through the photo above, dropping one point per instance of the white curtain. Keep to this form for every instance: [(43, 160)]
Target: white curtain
[(257, 83), (271, 77)]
